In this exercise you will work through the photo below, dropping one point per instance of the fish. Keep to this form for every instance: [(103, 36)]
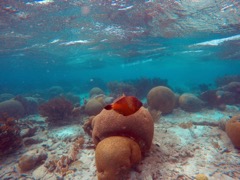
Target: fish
[(125, 105)]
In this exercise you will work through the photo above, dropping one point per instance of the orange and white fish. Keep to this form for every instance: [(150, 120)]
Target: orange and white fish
[(125, 105)]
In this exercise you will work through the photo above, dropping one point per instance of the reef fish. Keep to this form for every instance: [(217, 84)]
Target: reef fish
[(125, 105)]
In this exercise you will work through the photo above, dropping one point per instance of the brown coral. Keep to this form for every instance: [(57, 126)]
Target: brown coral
[(190, 102), (115, 156), (233, 130), (161, 98), (93, 107), (95, 91), (10, 138), (57, 110), (12, 108), (138, 126)]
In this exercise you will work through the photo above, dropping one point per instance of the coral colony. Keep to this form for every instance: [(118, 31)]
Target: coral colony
[(122, 134)]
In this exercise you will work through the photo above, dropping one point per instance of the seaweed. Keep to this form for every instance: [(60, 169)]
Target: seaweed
[(10, 138), (57, 110)]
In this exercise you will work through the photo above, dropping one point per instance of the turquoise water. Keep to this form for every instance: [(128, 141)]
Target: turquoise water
[(82, 43)]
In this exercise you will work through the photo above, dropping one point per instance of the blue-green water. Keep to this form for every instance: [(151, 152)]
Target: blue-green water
[(81, 43)]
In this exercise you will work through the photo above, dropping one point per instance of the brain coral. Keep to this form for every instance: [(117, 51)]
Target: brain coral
[(161, 98), (190, 102), (114, 157), (93, 107), (233, 130), (138, 126), (95, 91), (12, 108)]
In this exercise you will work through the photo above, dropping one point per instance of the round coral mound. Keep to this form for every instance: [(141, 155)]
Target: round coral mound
[(190, 102), (115, 156), (93, 107), (95, 91), (12, 108), (138, 126), (233, 130), (161, 98)]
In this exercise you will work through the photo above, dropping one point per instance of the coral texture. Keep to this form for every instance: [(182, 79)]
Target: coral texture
[(161, 98), (93, 107), (95, 91), (12, 108), (115, 156), (190, 102), (233, 130), (138, 126), (56, 110)]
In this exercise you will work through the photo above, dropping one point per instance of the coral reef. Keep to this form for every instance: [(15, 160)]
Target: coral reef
[(74, 99), (12, 108), (110, 123), (143, 85), (233, 130), (57, 111), (161, 98), (95, 91), (55, 91), (135, 87), (31, 159), (190, 102), (114, 157), (10, 138), (30, 104), (227, 94), (96, 104), (221, 81)]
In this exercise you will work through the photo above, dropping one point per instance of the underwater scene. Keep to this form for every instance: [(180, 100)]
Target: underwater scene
[(119, 89)]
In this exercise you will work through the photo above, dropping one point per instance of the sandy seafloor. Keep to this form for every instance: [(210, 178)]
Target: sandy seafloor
[(176, 153)]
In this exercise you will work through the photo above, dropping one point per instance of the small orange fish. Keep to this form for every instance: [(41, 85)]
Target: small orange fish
[(125, 105)]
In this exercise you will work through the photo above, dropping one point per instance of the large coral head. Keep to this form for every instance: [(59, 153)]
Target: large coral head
[(233, 130), (115, 156), (161, 98), (138, 126)]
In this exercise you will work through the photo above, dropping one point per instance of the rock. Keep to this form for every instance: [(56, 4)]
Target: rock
[(42, 173), (31, 140), (28, 132), (31, 159)]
